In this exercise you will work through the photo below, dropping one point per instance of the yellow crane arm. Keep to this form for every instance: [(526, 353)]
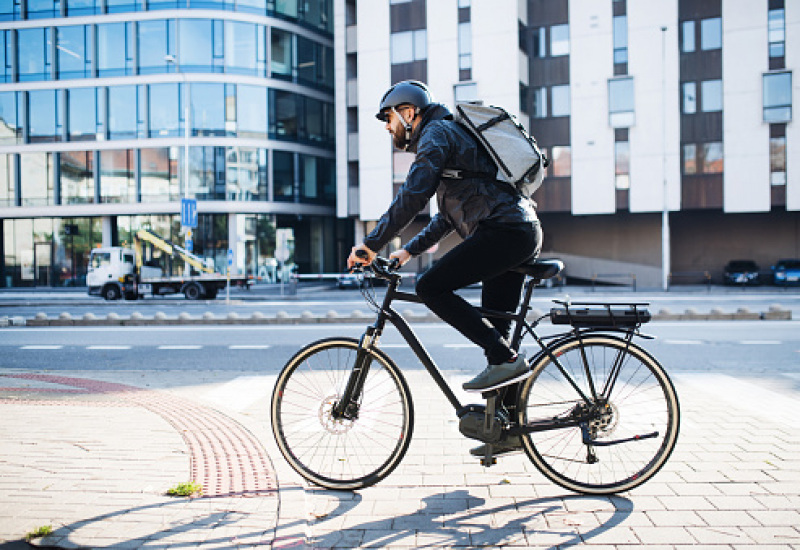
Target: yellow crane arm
[(172, 249)]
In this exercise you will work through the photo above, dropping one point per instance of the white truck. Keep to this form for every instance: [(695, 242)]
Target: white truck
[(116, 272)]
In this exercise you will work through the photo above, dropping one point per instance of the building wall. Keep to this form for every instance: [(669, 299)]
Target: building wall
[(374, 144), (591, 64), (793, 129), (656, 133), (746, 185)]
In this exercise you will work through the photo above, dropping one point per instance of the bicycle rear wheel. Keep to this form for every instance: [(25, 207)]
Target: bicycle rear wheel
[(339, 453), (633, 430)]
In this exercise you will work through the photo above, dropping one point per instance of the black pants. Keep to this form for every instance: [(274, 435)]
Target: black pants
[(487, 255)]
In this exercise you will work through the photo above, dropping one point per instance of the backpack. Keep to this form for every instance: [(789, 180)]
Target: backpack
[(520, 162)]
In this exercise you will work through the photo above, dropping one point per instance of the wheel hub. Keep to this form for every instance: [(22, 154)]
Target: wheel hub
[(333, 425), (605, 422)]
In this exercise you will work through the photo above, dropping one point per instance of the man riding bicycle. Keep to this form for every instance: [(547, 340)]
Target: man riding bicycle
[(499, 227)]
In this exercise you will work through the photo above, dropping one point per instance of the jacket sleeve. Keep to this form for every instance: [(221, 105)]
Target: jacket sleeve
[(435, 231), (420, 185)]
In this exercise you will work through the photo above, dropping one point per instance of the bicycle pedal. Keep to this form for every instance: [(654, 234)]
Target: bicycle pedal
[(491, 462)]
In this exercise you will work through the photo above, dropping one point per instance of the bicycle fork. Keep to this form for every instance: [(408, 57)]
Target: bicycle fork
[(349, 402)]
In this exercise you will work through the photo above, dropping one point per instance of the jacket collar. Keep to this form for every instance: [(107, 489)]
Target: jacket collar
[(435, 111)]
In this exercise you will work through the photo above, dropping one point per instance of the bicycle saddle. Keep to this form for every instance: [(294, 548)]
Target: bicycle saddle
[(540, 269)]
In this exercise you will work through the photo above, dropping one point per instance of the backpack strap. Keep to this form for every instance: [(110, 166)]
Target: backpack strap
[(458, 174)]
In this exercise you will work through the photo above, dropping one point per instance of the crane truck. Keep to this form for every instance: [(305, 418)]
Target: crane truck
[(118, 272)]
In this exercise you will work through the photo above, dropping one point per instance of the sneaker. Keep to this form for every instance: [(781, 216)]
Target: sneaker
[(511, 444), (497, 376)]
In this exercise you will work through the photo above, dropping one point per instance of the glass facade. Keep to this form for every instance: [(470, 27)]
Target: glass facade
[(133, 131)]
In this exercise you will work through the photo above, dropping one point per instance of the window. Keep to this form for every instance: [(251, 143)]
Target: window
[(242, 48), (118, 6), (711, 95), (159, 174), (9, 118), (77, 177), (82, 113), (466, 92), (246, 173), (7, 183), (560, 103), (115, 49), (465, 45), (207, 173), (83, 7), (164, 109), (122, 115), (283, 117), (689, 102), (687, 36), (622, 164), (117, 176), (561, 163), (711, 34), (621, 39), (539, 42), (540, 102), (778, 97), (712, 158), (283, 175), (34, 62), (10, 10), (43, 9), (156, 42), (253, 119), (690, 158), (777, 160), (409, 46), (197, 45), (620, 102), (74, 52), (6, 56), (316, 180), (776, 32), (43, 116), (559, 40), (281, 50), (36, 178), (314, 63), (316, 122), (208, 109)]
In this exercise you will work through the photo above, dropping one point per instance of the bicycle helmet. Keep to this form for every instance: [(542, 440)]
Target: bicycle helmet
[(407, 92)]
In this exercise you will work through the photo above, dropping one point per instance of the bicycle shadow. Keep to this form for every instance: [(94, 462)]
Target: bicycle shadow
[(457, 518)]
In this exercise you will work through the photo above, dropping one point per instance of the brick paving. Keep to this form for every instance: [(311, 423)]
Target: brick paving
[(92, 454)]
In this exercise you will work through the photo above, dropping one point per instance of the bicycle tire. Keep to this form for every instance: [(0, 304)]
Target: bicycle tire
[(340, 454), (643, 401)]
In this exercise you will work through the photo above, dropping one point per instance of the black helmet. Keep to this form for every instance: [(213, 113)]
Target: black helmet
[(407, 92)]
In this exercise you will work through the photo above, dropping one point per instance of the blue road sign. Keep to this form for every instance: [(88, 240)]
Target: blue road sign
[(189, 244), (188, 212), (230, 257)]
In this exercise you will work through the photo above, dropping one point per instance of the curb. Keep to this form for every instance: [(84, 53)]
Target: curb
[(775, 313)]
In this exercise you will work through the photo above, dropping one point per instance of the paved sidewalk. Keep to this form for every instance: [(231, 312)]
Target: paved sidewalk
[(92, 454)]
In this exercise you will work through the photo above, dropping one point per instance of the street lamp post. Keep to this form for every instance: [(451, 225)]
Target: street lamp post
[(665, 242), (172, 59)]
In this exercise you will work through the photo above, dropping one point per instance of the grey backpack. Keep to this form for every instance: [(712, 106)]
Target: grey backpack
[(520, 162)]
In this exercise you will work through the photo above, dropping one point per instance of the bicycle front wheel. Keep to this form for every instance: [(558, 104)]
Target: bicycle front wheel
[(633, 427), (338, 453)]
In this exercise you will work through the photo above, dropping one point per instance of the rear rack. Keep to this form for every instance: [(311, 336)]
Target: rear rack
[(600, 314)]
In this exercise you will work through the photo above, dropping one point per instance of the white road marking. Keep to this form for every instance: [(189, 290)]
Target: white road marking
[(41, 347), (180, 347), (760, 342)]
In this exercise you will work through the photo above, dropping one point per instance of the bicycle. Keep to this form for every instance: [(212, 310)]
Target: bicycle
[(599, 415)]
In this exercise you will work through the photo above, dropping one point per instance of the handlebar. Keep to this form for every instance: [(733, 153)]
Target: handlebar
[(380, 266)]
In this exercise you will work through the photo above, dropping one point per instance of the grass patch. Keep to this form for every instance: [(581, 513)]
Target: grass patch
[(189, 489), (39, 532)]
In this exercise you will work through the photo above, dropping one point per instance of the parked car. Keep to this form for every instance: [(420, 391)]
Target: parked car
[(741, 272), (786, 272), (348, 280)]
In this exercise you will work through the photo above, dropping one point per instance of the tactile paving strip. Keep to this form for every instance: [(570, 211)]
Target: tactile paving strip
[(225, 457)]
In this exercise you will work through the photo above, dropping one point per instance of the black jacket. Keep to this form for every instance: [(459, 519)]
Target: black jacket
[(439, 142)]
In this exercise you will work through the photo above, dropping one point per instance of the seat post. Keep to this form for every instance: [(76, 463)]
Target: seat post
[(522, 312)]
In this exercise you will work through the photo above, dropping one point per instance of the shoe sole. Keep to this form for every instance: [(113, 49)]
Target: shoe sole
[(508, 382)]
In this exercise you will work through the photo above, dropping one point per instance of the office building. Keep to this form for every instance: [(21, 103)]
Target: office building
[(100, 101), (669, 124)]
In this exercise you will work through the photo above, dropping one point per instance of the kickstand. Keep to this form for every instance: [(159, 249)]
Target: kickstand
[(488, 426)]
